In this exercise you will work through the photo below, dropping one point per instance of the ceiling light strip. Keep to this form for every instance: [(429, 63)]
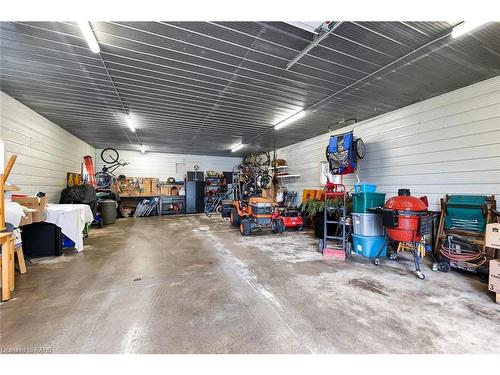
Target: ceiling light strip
[(237, 147), (465, 27), (290, 119), (89, 36), (88, 33), (127, 113)]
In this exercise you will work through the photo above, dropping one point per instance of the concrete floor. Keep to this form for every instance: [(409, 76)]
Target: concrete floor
[(195, 285)]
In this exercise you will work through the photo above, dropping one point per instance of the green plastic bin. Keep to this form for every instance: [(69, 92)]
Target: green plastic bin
[(361, 202)]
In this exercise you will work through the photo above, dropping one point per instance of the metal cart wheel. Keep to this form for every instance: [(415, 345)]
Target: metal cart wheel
[(393, 256), (348, 249), (444, 267), (377, 262)]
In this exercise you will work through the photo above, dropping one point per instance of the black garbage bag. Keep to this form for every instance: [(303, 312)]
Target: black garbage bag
[(81, 194)]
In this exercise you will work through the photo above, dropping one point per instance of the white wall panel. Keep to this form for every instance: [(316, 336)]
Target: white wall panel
[(163, 165), (45, 152), (449, 144)]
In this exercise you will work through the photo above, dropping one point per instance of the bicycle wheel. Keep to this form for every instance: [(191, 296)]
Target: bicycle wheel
[(109, 155), (261, 159), (248, 159)]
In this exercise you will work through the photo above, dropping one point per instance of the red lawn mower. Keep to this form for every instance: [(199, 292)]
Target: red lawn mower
[(290, 218)]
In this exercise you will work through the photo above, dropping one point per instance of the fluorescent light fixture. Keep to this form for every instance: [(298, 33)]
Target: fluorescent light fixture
[(290, 119), (307, 26), (89, 36), (237, 147), (464, 28), (130, 123), (142, 148)]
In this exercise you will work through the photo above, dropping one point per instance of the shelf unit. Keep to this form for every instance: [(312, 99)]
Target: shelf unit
[(283, 180), (213, 186), (283, 168), (213, 181), (126, 201), (167, 199), (139, 196), (166, 188), (278, 167)]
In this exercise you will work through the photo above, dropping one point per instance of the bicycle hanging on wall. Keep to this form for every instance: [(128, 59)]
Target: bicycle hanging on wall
[(106, 178)]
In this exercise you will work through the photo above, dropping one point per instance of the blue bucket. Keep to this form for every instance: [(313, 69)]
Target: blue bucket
[(369, 246), (365, 188)]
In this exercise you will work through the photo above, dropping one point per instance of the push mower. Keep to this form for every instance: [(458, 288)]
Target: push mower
[(290, 218)]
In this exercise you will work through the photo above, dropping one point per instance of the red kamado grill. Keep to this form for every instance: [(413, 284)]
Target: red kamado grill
[(406, 218)]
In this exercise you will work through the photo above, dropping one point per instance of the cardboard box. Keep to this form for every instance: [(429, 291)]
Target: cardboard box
[(494, 282), (170, 189), (165, 190), (492, 235), (35, 203), (28, 219), (153, 185), (309, 194)]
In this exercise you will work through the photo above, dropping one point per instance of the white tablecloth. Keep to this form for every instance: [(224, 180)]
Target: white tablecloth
[(71, 218), (13, 213)]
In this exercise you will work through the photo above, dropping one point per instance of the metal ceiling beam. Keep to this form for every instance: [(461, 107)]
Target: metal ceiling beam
[(321, 102), (379, 70), (255, 105), (243, 58), (144, 75), (195, 45), (150, 63), (291, 49), (277, 57), (317, 39), (47, 67)]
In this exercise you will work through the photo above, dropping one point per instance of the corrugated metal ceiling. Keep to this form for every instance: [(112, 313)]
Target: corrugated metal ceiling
[(201, 87)]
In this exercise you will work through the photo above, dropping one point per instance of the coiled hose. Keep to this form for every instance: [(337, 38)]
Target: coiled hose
[(473, 256)]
